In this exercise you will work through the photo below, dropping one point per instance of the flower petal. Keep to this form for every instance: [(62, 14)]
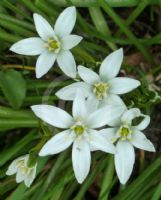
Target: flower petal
[(44, 62), (124, 160), (53, 115), (79, 105), (19, 177), (57, 143), (122, 85), (92, 103), (129, 115), (31, 176), (104, 116), (114, 99), (67, 63), (98, 141), (144, 123), (111, 65), (81, 159), (68, 92), (12, 169), (70, 41), (65, 22), (28, 181), (140, 141), (43, 28), (108, 133), (30, 46), (88, 75)]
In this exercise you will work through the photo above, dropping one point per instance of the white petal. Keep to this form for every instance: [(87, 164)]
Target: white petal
[(19, 177), (92, 103), (68, 92), (109, 133), (114, 99), (129, 115), (67, 63), (79, 106), (65, 22), (70, 41), (43, 28), (104, 116), (140, 141), (111, 65), (98, 141), (144, 123), (122, 85), (88, 75), (81, 159), (53, 115), (124, 160), (12, 169), (28, 181), (57, 143), (30, 46), (44, 62), (31, 176)]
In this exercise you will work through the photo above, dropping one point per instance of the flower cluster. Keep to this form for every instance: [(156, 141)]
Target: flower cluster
[(96, 103)]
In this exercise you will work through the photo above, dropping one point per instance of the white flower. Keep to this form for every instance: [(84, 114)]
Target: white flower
[(105, 87), (23, 172), (53, 44), (127, 137), (79, 130)]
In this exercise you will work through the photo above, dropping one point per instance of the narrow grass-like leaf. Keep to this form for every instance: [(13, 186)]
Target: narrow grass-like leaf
[(135, 186), (9, 153), (7, 124), (6, 112), (112, 3), (125, 29), (100, 24), (107, 179), (13, 86)]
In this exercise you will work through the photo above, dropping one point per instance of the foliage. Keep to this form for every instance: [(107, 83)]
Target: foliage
[(105, 28)]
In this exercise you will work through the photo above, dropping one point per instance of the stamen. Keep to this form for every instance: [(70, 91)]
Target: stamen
[(101, 90), (125, 132), (52, 45)]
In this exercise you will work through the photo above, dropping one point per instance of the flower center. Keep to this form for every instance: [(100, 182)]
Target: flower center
[(22, 167), (125, 132), (52, 45), (79, 129), (101, 90)]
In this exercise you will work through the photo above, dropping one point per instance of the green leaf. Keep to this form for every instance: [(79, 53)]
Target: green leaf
[(13, 86)]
